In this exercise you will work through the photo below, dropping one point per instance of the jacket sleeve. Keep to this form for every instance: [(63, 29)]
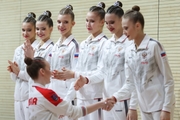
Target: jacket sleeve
[(48, 53), (71, 94), (97, 75), (60, 107), (23, 75), (133, 100), (162, 61), (74, 56), (125, 92), (12, 75)]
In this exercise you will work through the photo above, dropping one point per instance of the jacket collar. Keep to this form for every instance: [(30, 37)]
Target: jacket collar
[(46, 44), (144, 43), (35, 43), (121, 39), (37, 84), (97, 38), (66, 42)]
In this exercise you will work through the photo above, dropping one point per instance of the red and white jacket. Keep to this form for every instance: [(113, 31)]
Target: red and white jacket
[(45, 104)]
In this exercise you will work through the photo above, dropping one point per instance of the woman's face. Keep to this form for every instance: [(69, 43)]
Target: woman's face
[(113, 23), (28, 31), (94, 24), (65, 24), (129, 28), (43, 30)]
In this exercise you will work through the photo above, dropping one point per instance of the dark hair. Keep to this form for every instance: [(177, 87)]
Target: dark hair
[(68, 10), (34, 65), (134, 15), (46, 17), (116, 9), (99, 8), (30, 18)]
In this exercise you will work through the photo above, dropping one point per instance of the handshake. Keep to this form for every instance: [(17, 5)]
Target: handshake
[(108, 103)]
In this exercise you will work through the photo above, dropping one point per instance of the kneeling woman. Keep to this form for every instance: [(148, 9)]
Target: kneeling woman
[(45, 104)]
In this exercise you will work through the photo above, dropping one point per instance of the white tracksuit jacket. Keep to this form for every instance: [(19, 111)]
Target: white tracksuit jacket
[(21, 88), (147, 70), (113, 65), (45, 104), (63, 55), (44, 51), (88, 62)]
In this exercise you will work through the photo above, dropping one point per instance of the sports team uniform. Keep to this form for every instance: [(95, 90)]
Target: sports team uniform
[(45, 104), (114, 59), (148, 72), (41, 51), (21, 88), (63, 55), (90, 53), (44, 50)]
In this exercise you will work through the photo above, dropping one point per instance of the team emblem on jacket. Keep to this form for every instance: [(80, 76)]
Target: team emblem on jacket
[(120, 48), (144, 54), (63, 50), (54, 97), (76, 55), (163, 54), (93, 47)]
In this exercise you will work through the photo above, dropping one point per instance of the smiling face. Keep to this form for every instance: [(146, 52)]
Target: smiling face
[(65, 24), (113, 23), (129, 28), (94, 24), (28, 31), (43, 30)]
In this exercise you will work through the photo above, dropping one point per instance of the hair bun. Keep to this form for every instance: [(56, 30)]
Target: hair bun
[(101, 4), (69, 7), (136, 8), (28, 61), (47, 13), (31, 14), (118, 3)]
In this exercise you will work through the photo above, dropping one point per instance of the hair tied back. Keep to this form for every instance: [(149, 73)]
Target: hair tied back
[(30, 15), (100, 5), (46, 13), (118, 4), (69, 7), (136, 8)]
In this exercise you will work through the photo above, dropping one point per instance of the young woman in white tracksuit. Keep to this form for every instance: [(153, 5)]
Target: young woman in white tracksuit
[(65, 51), (17, 69), (44, 27), (113, 58), (45, 104), (90, 52), (112, 68), (147, 71)]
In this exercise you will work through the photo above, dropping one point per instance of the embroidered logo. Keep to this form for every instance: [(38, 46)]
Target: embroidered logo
[(54, 97), (93, 47), (163, 54), (50, 55), (120, 48), (76, 55), (144, 54), (32, 101), (62, 51)]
